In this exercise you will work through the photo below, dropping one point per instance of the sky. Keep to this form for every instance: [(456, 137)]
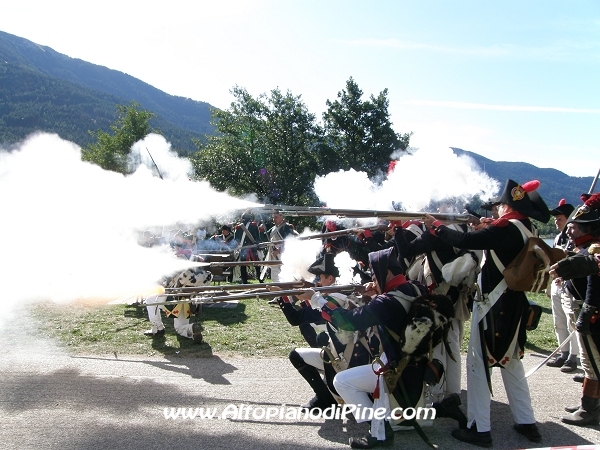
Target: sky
[(511, 80)]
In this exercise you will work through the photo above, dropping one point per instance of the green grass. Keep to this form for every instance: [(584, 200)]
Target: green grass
[(253, 329)]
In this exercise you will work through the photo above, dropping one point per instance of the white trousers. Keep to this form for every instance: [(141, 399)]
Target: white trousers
[(562, 315), (275, 271), (183, 327), (450, 382), (478, 392), (354, 386), (312, 357)]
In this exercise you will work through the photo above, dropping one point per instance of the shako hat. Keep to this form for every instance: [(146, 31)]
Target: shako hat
[(324, 266), (563, 208), (589, 212), (525, 199)]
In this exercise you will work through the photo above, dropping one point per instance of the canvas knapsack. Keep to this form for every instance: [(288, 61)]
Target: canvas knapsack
[(529, 271)]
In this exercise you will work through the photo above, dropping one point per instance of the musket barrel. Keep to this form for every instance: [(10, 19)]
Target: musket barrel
[(261, 294), (318, 236), (301, 211), (240, 263), (191, 290)]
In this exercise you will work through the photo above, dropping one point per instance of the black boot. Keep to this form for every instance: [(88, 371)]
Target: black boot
[(472, 436), (370, 441), (449, 408), (587, 414), (323, 398), (589, 411)]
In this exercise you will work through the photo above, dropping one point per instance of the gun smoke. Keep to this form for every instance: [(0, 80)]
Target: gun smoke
[(70, 228)]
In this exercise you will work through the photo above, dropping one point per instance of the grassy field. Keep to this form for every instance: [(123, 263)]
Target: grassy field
[(252, 329)]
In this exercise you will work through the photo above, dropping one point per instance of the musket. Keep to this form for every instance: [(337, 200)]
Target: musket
[(239, 263), (349, 288), (592, 187), (327, 235), (309, 211), (159, 174), (191, 290)]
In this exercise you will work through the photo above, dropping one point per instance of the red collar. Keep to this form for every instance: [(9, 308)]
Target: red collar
[(584, 239), (503, 221), (398, 280)]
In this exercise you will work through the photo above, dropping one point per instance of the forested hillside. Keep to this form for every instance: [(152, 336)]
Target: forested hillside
[(41, 89), (554, 183)]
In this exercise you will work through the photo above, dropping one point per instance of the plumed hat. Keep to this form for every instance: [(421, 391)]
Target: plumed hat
[(589, 212), (380, 261), (324, 266), (525, 199), (563, 208)]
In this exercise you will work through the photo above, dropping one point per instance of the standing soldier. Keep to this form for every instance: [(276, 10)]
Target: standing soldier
[(280, 230), (498, 325), (247, 235), (564, 307), (584, 230)]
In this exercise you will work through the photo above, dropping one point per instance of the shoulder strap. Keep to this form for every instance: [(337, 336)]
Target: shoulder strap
[(525, 233)]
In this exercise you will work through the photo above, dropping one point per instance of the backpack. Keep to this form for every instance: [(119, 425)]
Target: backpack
[(529, 271)]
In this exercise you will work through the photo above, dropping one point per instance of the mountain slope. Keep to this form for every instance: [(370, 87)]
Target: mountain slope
[(554, 183), (32, 74)]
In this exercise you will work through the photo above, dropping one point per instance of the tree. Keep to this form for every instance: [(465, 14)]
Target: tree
[(359, 135), (111, 152), (263, 145)]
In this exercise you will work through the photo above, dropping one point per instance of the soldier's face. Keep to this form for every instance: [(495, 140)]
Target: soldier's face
[(573, 231), (326, 280), (376, 284), (560, 221), (502, 209), (277, 219)]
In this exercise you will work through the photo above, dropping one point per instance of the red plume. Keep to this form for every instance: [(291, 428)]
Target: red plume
[(531, 185), (562, 202), (392, 166), (594, 201)]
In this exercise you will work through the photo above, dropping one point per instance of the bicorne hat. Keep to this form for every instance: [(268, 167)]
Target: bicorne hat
[(525, 199), (589, 212), (324, 266), (563, 208)]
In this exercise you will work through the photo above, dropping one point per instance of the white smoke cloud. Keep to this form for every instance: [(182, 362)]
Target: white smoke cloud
[(69, 228), (417, 179), (297, 257)]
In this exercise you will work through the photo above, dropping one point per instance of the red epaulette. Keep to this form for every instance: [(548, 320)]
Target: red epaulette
[(500, 223)]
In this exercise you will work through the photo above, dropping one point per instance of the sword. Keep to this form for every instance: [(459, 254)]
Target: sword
[(567, 339)]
